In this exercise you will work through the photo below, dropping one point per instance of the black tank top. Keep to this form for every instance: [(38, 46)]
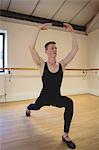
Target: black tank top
[(51, 82)]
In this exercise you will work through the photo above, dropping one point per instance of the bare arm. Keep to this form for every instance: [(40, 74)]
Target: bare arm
[(38, 60), (65, 61)]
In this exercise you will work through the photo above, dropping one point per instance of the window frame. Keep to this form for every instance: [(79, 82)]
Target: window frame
[(3, 53)]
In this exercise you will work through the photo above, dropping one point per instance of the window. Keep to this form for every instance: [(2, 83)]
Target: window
[(3, 50), (2, 44)]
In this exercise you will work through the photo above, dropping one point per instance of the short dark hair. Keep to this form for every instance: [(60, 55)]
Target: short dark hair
[(51, 42)]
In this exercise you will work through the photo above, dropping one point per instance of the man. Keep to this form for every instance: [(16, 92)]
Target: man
[(52, 74)]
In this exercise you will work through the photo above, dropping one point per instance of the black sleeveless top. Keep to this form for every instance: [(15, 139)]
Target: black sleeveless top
[(51, 83)]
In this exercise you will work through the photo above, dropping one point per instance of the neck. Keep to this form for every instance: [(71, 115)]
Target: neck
[(52, 61)]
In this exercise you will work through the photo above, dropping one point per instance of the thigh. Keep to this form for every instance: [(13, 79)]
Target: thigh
[(62, 101), (43, 101)]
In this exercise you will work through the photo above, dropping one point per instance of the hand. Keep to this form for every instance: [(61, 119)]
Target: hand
[(44, 26), (68, 27)]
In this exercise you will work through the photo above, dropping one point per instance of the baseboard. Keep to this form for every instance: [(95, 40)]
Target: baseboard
[(2, 98), (94, 92)]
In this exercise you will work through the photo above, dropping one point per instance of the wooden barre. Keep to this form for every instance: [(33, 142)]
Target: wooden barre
[(19, 69), (82, 69), (38, 69)]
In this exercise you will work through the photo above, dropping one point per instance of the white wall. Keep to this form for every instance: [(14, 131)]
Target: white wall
[(27, 84), (93, 52)]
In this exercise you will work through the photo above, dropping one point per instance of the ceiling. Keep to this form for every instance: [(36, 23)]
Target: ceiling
[(82, 13)]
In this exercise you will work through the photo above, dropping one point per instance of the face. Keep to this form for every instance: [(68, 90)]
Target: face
[(51, 50)]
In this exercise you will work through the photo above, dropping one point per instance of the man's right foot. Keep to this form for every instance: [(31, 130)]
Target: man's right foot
[(69, 142), (28, 112)]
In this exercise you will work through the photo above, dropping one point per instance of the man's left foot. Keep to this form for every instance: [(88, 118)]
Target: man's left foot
[(28, 112), (69, 142)]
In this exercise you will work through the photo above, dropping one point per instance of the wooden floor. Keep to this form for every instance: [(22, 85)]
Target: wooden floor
[(43, 130)]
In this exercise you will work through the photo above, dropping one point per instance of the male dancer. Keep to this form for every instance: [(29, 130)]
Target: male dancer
[(52, 74)]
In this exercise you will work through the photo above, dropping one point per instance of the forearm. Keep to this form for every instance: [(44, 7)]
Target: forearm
[(74, 42), (37, 30), (73, 51), (40, 27), (38, 60)]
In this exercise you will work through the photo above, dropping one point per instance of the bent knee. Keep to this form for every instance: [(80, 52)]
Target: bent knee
[(69, 102)]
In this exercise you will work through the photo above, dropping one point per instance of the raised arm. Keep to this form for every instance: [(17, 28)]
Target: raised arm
[(65, 61), (37, 59)]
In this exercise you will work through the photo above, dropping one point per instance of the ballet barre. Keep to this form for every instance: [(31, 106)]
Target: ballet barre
[(72, 69)]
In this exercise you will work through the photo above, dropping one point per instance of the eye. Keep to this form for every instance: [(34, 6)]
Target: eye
[(52, 48)]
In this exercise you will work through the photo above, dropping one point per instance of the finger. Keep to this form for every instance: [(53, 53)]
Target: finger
[(65, 24), (48, 24)]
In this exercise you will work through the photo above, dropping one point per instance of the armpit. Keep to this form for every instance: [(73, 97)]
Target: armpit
[(63, 67), (42, 69)]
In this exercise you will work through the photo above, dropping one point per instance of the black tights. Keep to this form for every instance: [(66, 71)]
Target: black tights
[(61, 101)]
